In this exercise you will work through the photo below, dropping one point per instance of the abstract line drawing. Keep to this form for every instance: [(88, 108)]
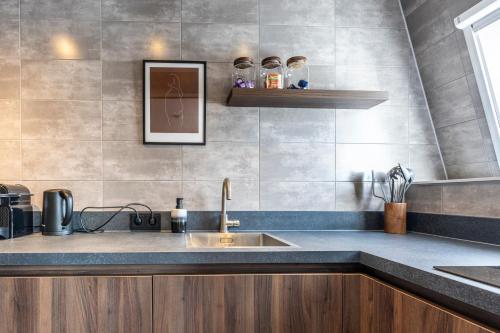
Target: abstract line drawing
[(174, 91)]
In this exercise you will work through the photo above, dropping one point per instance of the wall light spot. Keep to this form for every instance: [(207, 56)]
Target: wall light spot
[(65, 47), (157, 47)]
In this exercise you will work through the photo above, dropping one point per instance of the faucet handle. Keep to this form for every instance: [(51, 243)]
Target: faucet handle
[(233, 223)]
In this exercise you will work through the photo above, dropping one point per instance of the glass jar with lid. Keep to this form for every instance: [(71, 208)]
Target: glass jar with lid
[(243, 73), (271, 73), (297, 73)]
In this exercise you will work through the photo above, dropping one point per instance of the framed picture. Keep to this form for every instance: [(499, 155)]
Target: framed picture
[(174, 102)]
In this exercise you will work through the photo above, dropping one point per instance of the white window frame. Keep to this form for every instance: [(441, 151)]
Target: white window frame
[(480, 15)]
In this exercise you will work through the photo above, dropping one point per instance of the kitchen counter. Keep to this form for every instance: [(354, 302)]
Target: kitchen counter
[(410, 257)]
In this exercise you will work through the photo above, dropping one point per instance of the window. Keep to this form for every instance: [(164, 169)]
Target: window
[(481, 25)]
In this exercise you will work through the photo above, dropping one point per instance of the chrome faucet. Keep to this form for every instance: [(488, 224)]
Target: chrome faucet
[(225, 222)]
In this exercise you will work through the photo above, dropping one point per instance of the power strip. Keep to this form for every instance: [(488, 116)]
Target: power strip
[(145, 223)]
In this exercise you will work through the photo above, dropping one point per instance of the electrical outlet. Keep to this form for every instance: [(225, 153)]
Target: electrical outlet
[(145, 223)]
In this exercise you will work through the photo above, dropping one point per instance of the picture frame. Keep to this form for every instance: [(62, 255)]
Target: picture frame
[(174, 102)]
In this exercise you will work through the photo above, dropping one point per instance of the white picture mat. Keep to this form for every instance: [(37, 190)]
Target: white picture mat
[(174, 137)]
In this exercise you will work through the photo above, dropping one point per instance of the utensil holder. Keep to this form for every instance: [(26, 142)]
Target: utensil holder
[(395, 218)]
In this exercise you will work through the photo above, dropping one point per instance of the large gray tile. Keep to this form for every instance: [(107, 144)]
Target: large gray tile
[(9, 9), (487, 142), (206, 195), (425, 161), (392, 79), (128, 160), (9, 38), (10, 125), (232, 124), (372, 47), (424, 199), (9, 78), (61, 120), (356, 161), (464, 51), (297, 196), (127, 41), (297, 12), (219, 42), (297, 125), (451, 104), (475, 96), (60, 39), (322, 77), (85, 193), (429, 23), (421, 127), (458, 7), (10, 163), (440, 63), (218, 160), (61, 79), (122, 120), (122, 80), (60, 9), (220, 11), (159, 195), (461, 143), (417, 98), (369, 13), (410, 5), (472, 199), (62, 160), (381, 124), (144, 10), (218, 81), (316, 43), (356, 196), (469, 170), (297, 161)]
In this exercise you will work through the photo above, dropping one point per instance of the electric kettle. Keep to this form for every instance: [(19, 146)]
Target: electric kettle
[(57, 212)]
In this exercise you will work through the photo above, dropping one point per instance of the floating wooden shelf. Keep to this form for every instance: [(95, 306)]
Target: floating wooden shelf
[(310, 98)]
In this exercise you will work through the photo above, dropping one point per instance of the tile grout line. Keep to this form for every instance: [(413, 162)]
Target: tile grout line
[(258, 114), (21, 176), (102, 106)]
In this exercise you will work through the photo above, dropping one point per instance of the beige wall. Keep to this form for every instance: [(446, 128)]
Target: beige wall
[(71, 109)]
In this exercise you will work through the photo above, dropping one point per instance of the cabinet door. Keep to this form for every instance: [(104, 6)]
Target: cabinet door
[(372, 306), (76, 304), (248, 303)]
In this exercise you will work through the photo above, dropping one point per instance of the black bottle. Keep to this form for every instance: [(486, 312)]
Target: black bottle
[(178, 217)]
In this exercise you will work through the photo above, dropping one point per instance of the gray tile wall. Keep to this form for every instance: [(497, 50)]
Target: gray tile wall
[(71, 109), (448, 79), (466, 199)]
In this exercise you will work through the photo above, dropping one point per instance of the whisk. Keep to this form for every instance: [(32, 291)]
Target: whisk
[(397, 181)]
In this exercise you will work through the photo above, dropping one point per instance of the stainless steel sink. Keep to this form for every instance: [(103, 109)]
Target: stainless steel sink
[(235, 240)]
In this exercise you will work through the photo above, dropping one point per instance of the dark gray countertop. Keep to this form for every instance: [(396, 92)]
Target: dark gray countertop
[(407, 257)]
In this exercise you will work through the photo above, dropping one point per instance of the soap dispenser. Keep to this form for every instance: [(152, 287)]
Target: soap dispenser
[(178, 217)]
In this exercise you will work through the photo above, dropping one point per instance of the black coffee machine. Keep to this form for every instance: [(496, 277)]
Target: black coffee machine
[(57, 212), (18, 217)]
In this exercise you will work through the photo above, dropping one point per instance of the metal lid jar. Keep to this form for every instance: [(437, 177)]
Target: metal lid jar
[(243, 73), (297, 73), (271, 73)]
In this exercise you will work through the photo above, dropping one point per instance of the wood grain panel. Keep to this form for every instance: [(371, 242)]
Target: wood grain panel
[(372, 306), (248, 303), (76, 304)]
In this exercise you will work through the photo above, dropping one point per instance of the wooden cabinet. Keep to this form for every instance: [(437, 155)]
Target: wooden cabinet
[(248, 303), (277, 303), (76, 304), (372, 306)]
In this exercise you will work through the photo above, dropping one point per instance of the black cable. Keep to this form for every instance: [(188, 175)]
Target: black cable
[(142, 205), (120, 209)]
